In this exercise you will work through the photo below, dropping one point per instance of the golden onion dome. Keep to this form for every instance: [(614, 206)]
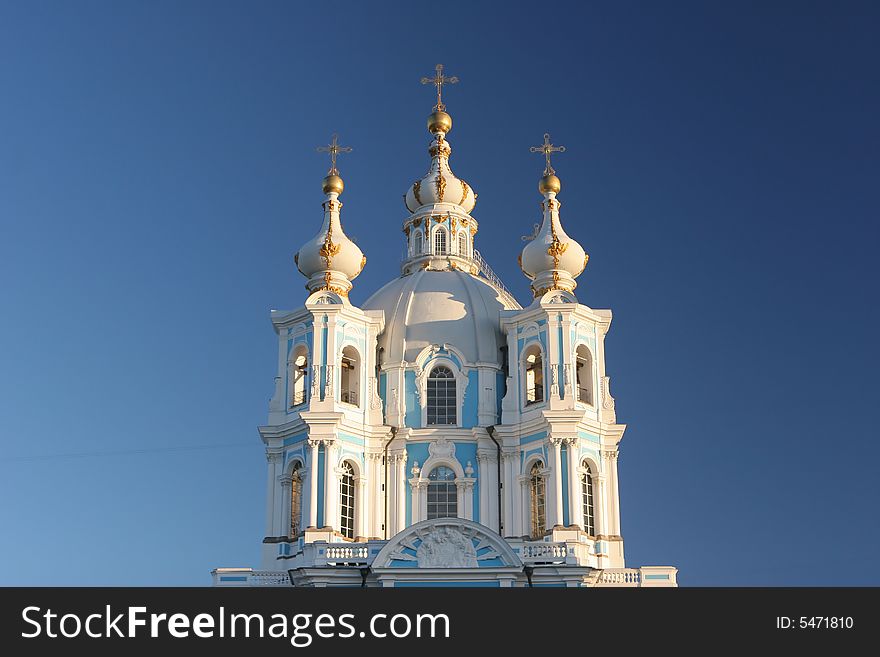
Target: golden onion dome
[(549, 183), (332, 184), (439, 121)]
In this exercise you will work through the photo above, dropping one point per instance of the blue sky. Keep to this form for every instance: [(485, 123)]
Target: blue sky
[(158, 171)]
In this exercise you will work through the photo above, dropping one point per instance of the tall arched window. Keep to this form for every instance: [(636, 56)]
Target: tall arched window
[(442, 493), (350, 376), (299, 374), (537, 499), (589, 512), (584, 368), (442, 401), (417, 243), (346, 500), (534, 379), (440, 242), (295, 499), (462, 245)]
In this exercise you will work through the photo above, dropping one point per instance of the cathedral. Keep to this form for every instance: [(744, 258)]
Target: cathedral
[(441, 434)]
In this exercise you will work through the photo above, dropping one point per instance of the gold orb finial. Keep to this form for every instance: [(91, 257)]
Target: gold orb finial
[(549, 183), (332, 184), (439, 121)]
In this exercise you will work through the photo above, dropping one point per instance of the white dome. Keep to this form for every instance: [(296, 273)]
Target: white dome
[(440, 185), (437, 307)]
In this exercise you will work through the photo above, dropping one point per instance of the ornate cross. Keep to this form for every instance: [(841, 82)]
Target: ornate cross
[(547, 148), (334, 149), (438, 81)]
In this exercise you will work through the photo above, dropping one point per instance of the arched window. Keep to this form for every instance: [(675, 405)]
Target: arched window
[(299, 375), (589, 512), (346, 500), (350, 376), (295, 499), (534, 375), (440, 242), (442, 401), (537, 498), (584, 367), (462, 245), (417, 243), (442, 493)]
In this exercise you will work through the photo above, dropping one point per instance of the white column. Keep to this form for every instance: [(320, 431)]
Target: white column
[(600, 504), (332, 361), (615, 495), (510, 491), (369, 494), (272, 460), (400, 474), (567, 367), (378, 496), (361, 519), (331, 485), (523, 522), (490, 519), (483, 472), (465, 497), (286, 482), (575, 490), (304, 510), (554, 510), (553, 368), (313, 483)]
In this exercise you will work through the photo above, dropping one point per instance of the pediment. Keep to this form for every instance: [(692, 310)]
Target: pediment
[(446, 543)]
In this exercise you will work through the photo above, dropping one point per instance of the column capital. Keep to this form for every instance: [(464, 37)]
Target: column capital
[(464, 483), (314, 443), (610, 454), (285, 480)]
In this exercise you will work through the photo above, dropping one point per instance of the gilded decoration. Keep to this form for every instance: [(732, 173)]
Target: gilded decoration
[(417, 185), (329, 249), (464, 192), (441, 187)]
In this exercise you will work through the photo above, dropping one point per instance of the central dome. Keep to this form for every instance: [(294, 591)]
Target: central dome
[(437, 307)]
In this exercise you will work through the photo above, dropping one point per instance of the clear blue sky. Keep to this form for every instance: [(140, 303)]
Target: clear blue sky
[(158, 171)]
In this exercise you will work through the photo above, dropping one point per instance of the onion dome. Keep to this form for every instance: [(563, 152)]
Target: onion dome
[(552, 260), (330, 260), (440, 185)]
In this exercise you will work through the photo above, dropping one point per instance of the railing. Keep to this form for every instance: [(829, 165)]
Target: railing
[(345, 554), (544, 553), (534, 395), (269, 578), (492, 277), (349, 397), (585, 395), (299, 397), (621, 577)]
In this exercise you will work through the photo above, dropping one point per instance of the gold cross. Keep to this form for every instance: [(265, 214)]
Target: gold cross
[(438, 81), (333, 148), (547, 148)]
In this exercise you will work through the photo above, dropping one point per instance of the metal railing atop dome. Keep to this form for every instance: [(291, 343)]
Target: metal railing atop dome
[(493, 278)]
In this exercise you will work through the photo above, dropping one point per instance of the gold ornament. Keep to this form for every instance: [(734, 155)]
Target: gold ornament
[(441, 186), (464, 192)]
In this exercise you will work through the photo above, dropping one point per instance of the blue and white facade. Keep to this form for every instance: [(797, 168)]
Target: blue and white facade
[(441, 434)]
